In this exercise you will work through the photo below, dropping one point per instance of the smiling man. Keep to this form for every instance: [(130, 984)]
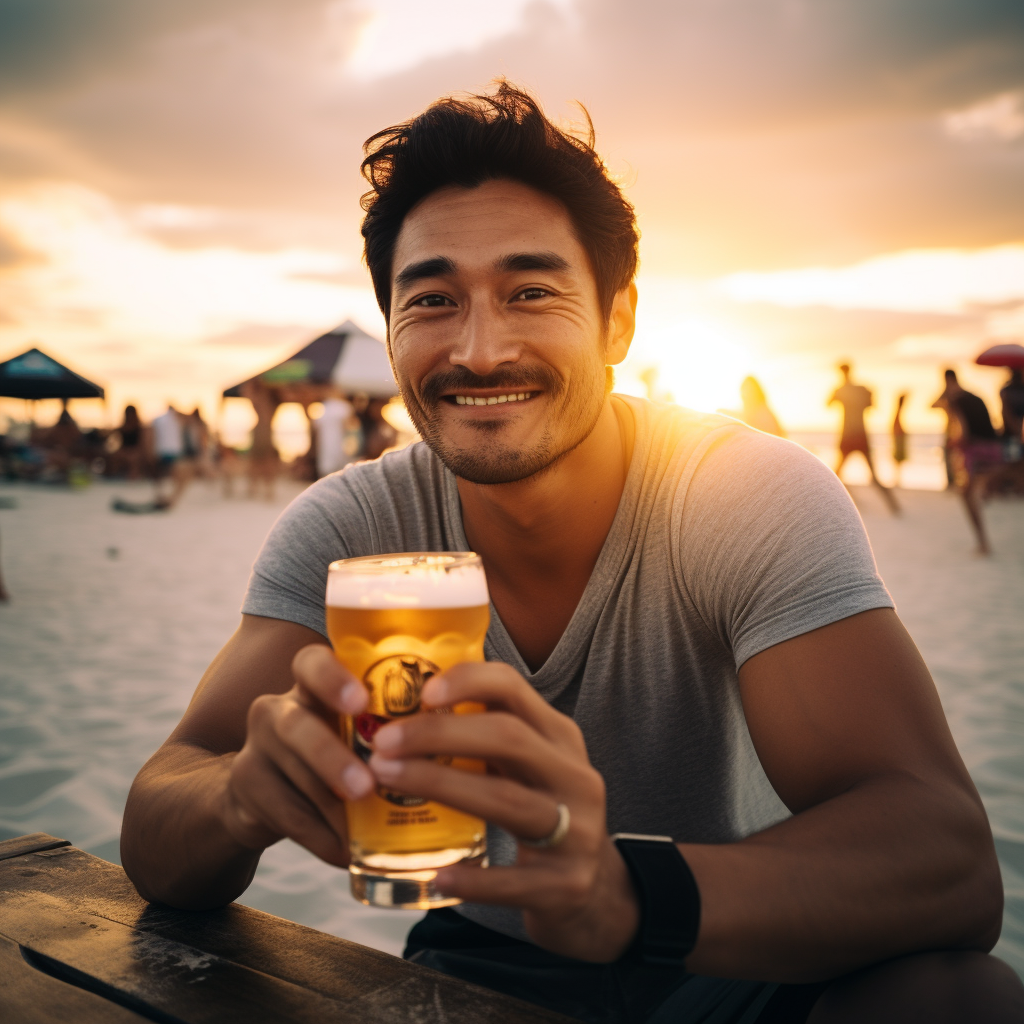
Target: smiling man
[(689, 640)]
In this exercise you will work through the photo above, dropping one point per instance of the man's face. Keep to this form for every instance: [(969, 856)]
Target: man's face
[(495, 330)]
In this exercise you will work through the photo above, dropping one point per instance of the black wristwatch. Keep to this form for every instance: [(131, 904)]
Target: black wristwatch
[(668, 896)]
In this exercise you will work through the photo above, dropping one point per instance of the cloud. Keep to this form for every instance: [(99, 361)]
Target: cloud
[(756, 132), (938, 281), (999, 117)]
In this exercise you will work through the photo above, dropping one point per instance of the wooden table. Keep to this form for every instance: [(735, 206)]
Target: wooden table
[(78, 945)]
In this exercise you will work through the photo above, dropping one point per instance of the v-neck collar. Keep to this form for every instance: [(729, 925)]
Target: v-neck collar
[(563, 662)]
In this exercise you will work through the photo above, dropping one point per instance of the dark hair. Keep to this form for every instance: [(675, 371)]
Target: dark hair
[(466, 142)]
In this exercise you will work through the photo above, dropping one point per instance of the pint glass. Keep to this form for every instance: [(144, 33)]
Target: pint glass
[(394, 621)]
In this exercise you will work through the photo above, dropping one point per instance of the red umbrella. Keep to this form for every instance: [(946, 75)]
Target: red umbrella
[(1010, 355)]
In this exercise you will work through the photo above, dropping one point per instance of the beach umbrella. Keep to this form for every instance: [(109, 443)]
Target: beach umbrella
[(35, 375), (1010, 355), (346, 359)]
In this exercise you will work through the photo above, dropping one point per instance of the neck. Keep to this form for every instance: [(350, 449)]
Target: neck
[(549, 529)]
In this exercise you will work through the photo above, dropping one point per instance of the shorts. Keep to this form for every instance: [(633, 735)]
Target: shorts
[(854, 443), (619, 993), (981, 455)]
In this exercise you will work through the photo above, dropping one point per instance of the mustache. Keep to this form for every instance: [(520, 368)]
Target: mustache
[(510, 378)]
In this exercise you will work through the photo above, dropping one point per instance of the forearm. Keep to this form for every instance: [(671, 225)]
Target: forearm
[(889, 867), (174, 845)]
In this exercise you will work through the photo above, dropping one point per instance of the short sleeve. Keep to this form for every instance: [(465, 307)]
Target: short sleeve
[(289, 578), (769, 544)]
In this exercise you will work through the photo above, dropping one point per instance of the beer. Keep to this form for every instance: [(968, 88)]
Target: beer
[(394, 621)]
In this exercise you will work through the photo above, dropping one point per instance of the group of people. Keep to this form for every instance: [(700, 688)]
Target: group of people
[(979, 459)]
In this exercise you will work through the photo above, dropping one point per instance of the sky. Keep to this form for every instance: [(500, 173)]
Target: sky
[(815, 180)]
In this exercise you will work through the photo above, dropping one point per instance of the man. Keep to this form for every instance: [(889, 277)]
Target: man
[(688, 639), (169, 448), (977, 454), (856, 400)]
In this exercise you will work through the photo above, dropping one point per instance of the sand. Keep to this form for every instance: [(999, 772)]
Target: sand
[(114, 618)]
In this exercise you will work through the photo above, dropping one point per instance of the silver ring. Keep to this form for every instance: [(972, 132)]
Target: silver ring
[(558, 833)]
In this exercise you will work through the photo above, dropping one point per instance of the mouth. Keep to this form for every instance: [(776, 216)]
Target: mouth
[(490, 399)]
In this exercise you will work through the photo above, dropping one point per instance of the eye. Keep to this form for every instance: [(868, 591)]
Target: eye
[(532, 293), (432, 300)]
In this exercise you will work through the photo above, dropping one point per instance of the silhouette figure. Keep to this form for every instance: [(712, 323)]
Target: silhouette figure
[(856, 400), (899, 440)]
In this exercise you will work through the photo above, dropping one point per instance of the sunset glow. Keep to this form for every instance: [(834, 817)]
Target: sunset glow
[(181, 209)]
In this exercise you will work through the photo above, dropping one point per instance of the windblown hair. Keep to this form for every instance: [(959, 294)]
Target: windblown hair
[(465, 142)]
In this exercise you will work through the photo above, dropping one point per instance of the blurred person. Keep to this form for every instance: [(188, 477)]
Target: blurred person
[(264, 461), (378, 433), (4, 593), (899, 439), (856, 400), (1011, 397), (330, 436), (951, 435), (198, 444), (978, 453), (756, 411), (130, 456), (689, 640), (168, 439), (62, 444)]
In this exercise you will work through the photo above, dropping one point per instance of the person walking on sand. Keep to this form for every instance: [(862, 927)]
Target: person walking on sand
[(978, 453), (899, 439), (856, 400)]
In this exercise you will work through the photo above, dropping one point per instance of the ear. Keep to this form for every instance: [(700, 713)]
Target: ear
[(621, 325)]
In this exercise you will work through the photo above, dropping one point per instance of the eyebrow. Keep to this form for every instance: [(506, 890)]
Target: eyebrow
[(532, 261), (435, 266), (439, 266)]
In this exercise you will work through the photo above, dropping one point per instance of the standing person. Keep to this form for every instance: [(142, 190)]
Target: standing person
[(1011, 397), (688, 639), (330, 436), (899, 439), (978, 453), (131, 456), (264, 462), (856, 400), (169, 448), (952, 432), (756, 411)]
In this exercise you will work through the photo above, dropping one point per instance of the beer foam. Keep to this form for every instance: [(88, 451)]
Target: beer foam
[(408, 585)]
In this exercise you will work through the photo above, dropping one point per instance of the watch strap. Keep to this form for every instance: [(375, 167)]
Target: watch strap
[(668, 896)]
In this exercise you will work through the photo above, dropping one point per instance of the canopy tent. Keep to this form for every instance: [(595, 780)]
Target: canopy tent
[(345, 361), (35, 375), (1009, 354)]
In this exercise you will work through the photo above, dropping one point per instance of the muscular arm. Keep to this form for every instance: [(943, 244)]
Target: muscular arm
[(183, 841), (889, 850)]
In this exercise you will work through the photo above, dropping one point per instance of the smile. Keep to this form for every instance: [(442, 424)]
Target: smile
[(520, 396)]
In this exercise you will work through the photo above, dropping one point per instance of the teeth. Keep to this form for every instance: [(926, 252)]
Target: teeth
[(492, 400)]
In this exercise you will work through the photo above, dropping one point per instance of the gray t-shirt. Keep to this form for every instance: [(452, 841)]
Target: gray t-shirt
[(726, 541)]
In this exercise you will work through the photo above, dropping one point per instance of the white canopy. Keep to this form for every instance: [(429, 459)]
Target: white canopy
[(363, 364)]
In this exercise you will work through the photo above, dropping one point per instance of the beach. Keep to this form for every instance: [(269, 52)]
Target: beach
[(114, 618)]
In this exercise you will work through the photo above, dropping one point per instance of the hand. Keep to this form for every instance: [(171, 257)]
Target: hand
[(576, 898), (294, 771)]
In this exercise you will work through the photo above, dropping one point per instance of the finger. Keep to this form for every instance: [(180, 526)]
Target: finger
[(524, 812), (280, 725), (260, 793), (501, 687), (546, 885), (324, 679), (501, 739)]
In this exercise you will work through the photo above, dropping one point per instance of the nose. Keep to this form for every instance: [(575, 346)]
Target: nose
[(484, 341)]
